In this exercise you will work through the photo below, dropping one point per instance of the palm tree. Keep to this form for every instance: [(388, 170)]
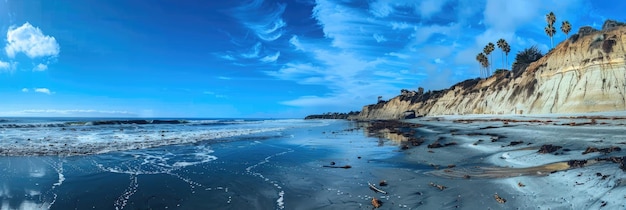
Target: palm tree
[(507, 49), (550, 18), (487, 50), (501, 44), (566, 28), (550, 30), (485, 63), (481, 60)]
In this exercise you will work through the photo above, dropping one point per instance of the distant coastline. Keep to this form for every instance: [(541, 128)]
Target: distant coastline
[(335, 115)]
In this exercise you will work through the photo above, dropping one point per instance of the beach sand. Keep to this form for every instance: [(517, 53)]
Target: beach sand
[(582, 169)]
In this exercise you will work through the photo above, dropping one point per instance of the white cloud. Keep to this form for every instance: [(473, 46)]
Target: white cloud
[(25, 90), (379, 38), (425, 8), (428, 8), (227, 57), (4, 65), (214, 94), (400, 25), (296, 42), (43, 90), (31, 41), (270, 58), (399, 55), (40, 67), (381, 8), (496, 11), (224, 78)]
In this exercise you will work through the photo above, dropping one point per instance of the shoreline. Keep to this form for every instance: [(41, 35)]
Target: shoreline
[(521, 154)]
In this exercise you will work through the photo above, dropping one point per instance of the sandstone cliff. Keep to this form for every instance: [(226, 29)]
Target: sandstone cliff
[(586, 73)]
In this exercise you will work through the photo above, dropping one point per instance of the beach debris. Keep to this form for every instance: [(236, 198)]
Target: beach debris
[(602, 150), (382, 183), (375, 189), (494, 138), (451, 166), (548, 148), (619, 160), (576, 163), (344, 167), (436, 167), (513, 143), (376, 203), (488, 127), (603, 204), (520, 184), (436, 144), (479, 140), (440, 187), (499, 199)]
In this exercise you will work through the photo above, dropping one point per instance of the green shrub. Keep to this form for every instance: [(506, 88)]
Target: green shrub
[(524, 58)]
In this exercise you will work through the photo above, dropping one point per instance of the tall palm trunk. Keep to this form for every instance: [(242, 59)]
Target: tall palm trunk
[(503, 66), (507, 61)]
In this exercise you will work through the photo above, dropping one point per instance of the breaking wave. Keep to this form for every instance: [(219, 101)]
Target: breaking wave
[(69, 138)]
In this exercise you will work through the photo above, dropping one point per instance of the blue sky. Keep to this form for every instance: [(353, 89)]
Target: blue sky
[(255, 58)]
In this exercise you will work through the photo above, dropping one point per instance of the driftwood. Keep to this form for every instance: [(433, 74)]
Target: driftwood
[(375, 189), (344, 167), (438, 186)]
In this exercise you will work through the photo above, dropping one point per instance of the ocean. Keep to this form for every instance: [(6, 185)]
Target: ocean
[(66, 163)]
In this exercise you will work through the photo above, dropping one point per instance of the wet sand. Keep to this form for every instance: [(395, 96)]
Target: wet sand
[(449, 162)]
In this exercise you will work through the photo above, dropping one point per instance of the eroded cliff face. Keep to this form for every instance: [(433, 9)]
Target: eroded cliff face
[(586, 73)]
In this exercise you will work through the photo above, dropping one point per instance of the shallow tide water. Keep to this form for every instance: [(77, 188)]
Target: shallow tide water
[(313, 164), (272, 165)]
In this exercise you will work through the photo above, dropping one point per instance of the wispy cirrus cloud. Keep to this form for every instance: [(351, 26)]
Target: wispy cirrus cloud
[(253, 52), (271, 58), (369, 55), (263, 18)]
